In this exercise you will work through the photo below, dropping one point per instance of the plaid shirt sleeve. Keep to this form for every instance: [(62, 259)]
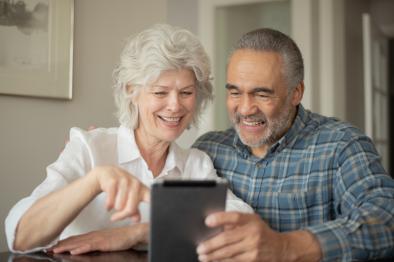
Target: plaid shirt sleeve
[(364, 203)]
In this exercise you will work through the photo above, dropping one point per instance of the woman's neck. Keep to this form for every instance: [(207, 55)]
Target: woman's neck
[(152, 150)]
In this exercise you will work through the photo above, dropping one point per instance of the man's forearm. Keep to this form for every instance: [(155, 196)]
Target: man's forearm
[(301, 245)]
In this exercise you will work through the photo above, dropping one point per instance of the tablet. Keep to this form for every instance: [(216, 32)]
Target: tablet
[(178, 212)]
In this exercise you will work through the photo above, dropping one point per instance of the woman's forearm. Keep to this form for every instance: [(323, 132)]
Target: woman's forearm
[(47, 218)]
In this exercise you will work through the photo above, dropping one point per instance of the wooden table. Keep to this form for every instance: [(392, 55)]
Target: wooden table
[(119, 256)]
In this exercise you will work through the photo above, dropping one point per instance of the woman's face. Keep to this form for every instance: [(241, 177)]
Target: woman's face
[(166, 107)]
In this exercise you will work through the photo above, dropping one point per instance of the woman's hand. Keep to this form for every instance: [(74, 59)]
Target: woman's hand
[(114, 239), (119, 256), (124, 191)]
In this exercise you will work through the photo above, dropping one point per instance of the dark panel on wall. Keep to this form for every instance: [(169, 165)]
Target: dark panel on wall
[(391, 106)]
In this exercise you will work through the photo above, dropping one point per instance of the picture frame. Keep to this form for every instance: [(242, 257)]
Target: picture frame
[(36, 55)]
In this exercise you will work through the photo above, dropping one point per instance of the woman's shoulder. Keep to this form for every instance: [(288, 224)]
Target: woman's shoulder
[(98, 146), (188, 153), (94, 135), (197, 153), (194, 163), (195, 158)]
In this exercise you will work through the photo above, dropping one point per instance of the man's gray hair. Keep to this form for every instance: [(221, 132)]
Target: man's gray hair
[(270, 40), (149, 53)]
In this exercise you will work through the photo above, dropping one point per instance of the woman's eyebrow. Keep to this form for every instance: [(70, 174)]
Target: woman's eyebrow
[(165, 86)]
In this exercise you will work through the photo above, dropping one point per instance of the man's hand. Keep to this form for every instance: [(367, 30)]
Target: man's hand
[(245, 238), (248, 238), (114, 239)]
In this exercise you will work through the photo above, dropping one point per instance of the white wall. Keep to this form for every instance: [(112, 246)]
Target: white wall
[(178, 16), (33, 130), (354, 61)]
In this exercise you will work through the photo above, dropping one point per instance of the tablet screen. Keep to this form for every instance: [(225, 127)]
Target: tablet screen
[(178, 211)]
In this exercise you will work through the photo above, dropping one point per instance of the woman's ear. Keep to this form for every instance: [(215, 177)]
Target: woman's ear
[(130, 90), (298, 93)]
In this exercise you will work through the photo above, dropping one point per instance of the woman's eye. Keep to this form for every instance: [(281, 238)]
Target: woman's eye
[(186, 93), (160, 93)]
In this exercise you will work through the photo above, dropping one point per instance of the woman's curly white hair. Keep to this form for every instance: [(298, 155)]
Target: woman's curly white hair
[(147, 54)]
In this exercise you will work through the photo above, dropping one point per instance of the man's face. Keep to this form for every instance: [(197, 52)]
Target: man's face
[(258, 101)]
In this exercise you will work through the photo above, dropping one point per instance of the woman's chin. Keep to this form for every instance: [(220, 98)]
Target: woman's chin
[(171, 136)]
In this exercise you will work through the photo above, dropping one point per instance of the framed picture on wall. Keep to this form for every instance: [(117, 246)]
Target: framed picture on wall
[(36, 48)]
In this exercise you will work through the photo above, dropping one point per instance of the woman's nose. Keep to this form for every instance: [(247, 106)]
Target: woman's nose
[(174, 102)]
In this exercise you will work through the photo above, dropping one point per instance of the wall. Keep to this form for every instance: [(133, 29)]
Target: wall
[(177, 16), (354, 61), (33, 130)]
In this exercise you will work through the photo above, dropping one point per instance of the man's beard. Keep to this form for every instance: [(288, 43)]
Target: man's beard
[(274, 128)]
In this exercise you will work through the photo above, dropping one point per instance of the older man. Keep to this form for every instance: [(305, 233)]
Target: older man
[(317, 184)]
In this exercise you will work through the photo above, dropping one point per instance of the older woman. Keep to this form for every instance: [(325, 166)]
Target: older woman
[(103, 176)]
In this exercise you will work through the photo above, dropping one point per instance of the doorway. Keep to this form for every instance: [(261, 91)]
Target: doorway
[(231, 22)]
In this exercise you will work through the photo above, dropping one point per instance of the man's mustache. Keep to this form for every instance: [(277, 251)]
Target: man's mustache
[(259, 117)]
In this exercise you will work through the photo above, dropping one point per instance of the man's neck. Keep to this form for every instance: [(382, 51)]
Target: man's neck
[(260, 151)]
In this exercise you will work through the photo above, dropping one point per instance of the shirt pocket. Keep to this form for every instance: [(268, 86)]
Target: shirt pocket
[(285, 211)]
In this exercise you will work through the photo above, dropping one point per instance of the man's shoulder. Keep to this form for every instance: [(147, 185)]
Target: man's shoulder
[(215, 139), (332, 129)]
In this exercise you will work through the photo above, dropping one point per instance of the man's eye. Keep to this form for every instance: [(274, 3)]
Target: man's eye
[(264, 96), (234, 93)]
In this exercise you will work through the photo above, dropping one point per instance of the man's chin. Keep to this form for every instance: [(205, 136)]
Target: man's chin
[(248, 140), (251, 142)]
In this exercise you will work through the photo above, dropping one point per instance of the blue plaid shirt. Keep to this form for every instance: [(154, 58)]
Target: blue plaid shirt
[(323, 175)]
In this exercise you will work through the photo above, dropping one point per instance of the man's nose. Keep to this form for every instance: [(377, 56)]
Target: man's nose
[(246, 105)]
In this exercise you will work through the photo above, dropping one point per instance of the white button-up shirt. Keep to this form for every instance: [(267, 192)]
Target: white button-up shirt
[(117, 147)]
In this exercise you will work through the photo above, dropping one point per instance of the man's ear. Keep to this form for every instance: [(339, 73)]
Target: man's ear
[(298, 93)]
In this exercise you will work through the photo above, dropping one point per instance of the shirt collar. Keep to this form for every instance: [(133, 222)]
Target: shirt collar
[(298, 124), (176, 158), (129, 151), (127, 147), (240, 147)]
